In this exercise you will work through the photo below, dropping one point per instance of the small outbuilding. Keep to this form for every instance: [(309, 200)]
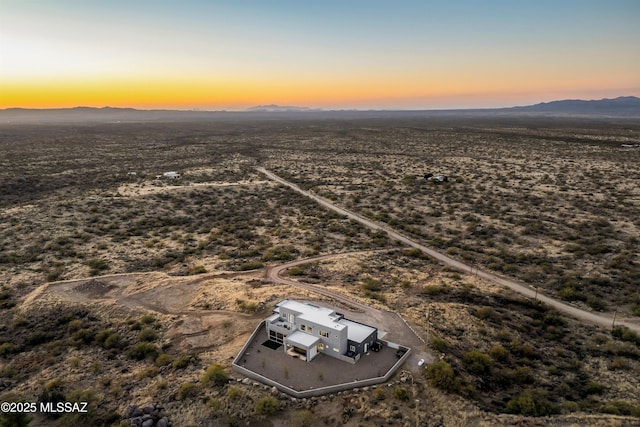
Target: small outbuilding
[(171, 175)]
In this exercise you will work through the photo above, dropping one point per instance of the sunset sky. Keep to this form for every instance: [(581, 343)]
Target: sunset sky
[(326, 54)]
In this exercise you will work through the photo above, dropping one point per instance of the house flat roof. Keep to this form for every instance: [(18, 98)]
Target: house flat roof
[(319, 315), (302, 339), (357, 331)]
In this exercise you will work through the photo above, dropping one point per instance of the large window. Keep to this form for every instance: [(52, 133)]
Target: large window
[(291, 318), (306, 328), (324, 334)]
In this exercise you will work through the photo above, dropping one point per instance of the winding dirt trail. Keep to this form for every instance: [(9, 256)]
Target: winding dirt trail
[(273, 273), (601, 319)]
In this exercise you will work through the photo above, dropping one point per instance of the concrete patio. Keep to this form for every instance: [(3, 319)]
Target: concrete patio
[(323, 375)]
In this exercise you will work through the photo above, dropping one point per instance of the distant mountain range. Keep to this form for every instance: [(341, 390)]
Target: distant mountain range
[(622, 107), (272, 108)]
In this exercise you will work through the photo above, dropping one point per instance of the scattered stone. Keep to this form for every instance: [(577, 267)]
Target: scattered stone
[(274, 391), (256, 384), (128, 413), (147, 416), (246, 381)]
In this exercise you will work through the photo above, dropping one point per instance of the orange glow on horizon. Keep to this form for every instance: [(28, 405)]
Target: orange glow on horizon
[(315, 91)]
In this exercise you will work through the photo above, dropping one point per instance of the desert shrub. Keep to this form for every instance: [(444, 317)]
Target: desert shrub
[(523, 350), (438, 344), (197, 269), (95, 412), (596, 304), (524, 375), (108, 339), (499, 353), (215, 375), (250, 265), (147, 373), (569, 406), (215, 404), (267, 405), (83, 336), (54, 274), (75, 325), (569, 293), (39, 337), (147, 335), (625, 334), (415, 253), (186, 390), (593, 387), (279, 253), (440, 375), (620, 407), (378, 394), (434, 290), (247, 307), (477, 362), (113, 341), (147, 319), (135, 326), (371, 285), (302, 418), (7, 348), (15, 419), (19, 322), (97, 265), (234, 393), (532, 403), (143, 350), (296, 271), (164, 359), (488, 313), (401, 393), (181, 362)]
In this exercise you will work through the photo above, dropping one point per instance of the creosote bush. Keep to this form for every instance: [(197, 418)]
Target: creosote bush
[(215, 375), (440, 374), (267, 405)]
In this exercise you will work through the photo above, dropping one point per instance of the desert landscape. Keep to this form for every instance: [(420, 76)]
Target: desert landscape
[(134, 293)]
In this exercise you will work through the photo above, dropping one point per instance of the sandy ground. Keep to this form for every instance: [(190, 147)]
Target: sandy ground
[(161, 186)]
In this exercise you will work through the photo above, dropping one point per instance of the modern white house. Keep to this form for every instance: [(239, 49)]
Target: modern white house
[(306, 330)]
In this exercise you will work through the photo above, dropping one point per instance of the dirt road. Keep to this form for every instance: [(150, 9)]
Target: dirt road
[(601, 319)]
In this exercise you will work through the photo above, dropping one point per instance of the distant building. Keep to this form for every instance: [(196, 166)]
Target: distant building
[(171, 175), (436, 179), (306, 330)]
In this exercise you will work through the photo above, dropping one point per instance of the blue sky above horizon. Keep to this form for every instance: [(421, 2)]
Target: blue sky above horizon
[(330, 54)]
